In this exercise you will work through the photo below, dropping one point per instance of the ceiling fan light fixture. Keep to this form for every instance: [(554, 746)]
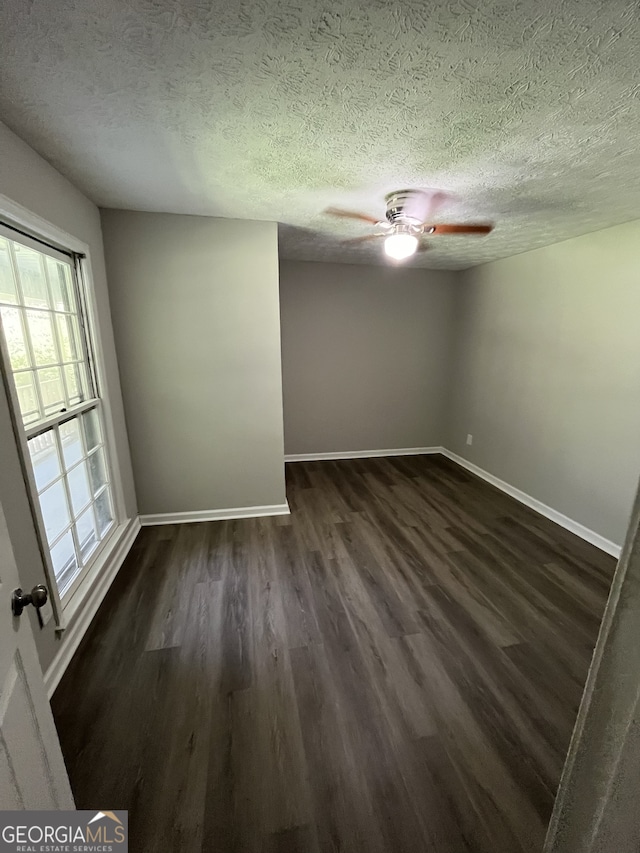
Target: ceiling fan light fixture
[(400, 246)]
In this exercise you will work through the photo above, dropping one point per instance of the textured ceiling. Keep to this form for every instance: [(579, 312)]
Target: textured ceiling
[(527, 110)]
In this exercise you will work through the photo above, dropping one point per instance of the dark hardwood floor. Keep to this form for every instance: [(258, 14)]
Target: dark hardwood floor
[(396, 666)]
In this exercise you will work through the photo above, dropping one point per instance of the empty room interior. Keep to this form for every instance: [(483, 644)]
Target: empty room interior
[(320, 421)]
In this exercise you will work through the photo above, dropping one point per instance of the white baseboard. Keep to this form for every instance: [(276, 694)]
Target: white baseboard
[(88, 607), (361, 454), (552, 514), (214, 514)]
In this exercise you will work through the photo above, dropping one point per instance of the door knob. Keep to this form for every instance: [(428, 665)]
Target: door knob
[(38, 596)]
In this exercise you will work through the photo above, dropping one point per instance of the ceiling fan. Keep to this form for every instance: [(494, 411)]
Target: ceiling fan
[(407, 221)]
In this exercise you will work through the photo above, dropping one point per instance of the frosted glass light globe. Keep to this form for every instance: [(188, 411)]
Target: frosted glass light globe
[(400, 246)]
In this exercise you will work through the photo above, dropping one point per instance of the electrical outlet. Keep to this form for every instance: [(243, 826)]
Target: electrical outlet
[(469, 439)]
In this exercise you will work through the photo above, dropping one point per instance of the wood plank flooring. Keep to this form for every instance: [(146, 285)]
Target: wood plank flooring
[(396, 667)]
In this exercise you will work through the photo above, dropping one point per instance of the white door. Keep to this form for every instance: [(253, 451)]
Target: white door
[(32, 771)]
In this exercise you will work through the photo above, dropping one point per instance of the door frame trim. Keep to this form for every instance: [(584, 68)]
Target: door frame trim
[(595, 808)]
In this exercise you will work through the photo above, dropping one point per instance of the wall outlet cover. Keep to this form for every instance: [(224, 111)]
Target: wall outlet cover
[(469, 439)]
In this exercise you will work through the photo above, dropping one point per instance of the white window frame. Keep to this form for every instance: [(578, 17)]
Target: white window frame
[(38, 229)]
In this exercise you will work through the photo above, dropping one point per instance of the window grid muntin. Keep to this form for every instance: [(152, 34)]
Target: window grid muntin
[(51, 422), (81, 559), (26, 331), (89, 389)]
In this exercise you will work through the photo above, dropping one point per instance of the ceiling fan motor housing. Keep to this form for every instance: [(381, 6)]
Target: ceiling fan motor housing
[(404, 209)]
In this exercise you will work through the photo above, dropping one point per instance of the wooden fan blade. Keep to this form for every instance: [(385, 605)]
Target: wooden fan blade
[(364, 239), (350, 214), (458, 229)]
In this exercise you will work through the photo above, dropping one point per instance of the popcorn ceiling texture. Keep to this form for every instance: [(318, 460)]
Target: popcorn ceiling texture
[(527, 110)]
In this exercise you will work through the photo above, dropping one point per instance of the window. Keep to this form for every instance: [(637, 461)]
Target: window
[(50, 360)]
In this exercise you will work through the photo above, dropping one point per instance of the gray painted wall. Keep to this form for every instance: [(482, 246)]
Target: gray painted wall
[(365, 356), (196, 319), (28, 180), (547, 375)]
